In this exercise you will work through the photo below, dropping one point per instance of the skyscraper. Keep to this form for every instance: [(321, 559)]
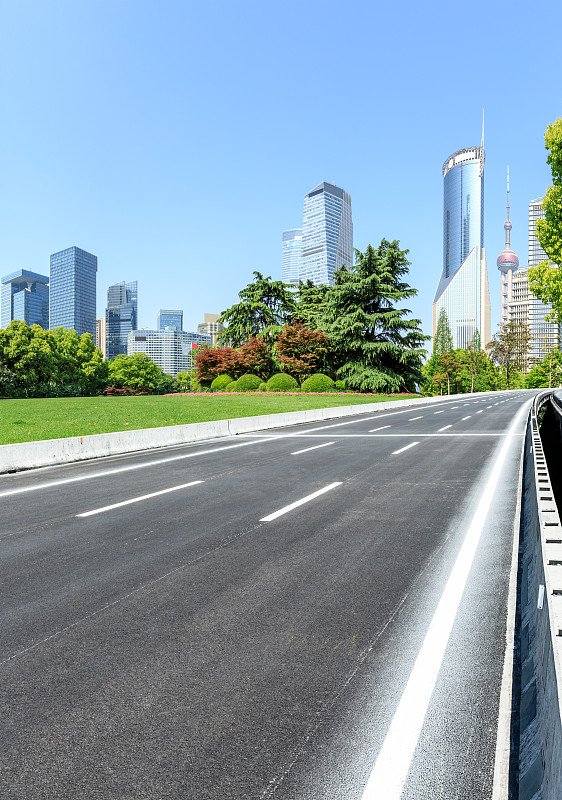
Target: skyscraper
[(121, 317), (170, 320), (291, 256), (211, 326), (507, 263), (463, 288), (25, 296), (327, 233), (73, 290)]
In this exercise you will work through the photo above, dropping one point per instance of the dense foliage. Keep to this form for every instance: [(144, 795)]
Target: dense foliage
[(263, 303), (545, 280), (509, 349), (139, 372), (41, 363)]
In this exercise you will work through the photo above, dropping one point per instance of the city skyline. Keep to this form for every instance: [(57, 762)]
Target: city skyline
[(178, 153)]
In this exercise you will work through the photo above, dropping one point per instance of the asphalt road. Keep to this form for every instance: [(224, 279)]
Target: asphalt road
[(194, 644)]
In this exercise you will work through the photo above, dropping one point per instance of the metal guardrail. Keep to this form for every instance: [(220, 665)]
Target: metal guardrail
[(540, 709)]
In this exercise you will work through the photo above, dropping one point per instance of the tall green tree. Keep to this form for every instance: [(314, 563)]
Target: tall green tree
[(139, 371), (545, 280), (509, 349), (264, 304), (375, 346), (311, 303), (443, 340)]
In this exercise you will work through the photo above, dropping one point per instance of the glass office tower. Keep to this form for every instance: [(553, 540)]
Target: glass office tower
[(291, 256), (73, 290), (463, 288), (327, 233), (170, 320), (25, 296), (121, 317)]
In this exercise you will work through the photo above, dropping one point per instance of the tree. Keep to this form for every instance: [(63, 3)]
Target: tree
[(139, 371), (449, 366), (301, 351), (255, 357), (375, 347), (443, 341), (474, 357), (547, 373), (509, 348), (545, 280), (263, 303), (311, 303)]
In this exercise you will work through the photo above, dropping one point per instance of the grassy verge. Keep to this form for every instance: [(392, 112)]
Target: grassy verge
[(58, 418)]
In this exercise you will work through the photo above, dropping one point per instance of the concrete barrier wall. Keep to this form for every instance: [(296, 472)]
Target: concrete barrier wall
[(15, 457), (540, 712)]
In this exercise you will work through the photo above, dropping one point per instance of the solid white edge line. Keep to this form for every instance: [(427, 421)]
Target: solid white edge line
[(412, 444), (137, 499), (301, 502), (307, 449), (500, 785), (393, 761)]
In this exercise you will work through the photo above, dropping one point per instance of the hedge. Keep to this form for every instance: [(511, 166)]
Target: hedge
[(281, 382), (318, 383), (221, 382), (248, 383)]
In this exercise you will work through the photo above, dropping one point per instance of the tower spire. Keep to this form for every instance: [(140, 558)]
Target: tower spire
[(507, 225), (482, 140)]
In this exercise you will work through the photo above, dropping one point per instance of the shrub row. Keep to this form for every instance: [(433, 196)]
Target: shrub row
[(281, 382)]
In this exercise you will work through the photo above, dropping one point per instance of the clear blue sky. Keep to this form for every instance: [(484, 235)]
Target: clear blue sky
[(176, 140)]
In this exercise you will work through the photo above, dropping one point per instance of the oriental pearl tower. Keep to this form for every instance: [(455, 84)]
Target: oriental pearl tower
[(508, 263)]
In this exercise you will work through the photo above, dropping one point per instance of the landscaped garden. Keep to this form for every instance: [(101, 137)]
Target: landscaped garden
[(28, 420)]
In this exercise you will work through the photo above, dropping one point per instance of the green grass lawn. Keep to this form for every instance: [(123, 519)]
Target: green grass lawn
[(56, 418)]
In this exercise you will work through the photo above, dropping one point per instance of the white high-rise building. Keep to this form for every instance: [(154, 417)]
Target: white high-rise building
[(327, 233), (171, 349), (463, 288)]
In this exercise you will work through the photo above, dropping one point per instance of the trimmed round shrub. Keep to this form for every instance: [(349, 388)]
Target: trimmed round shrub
[(248, 383), (231, 387), (281, 382), (318, 383), (340, 386), (262, 387), (221, 382)]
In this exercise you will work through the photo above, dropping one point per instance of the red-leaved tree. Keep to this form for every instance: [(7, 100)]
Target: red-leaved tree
[(255, 357), (213, 361), (301, 351)]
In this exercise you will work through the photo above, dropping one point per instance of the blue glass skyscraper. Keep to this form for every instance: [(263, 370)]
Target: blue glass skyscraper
[(170, 319), (25, 296), (327, 233), (463, 288), (121, 317), (73, 290), (291, 256)]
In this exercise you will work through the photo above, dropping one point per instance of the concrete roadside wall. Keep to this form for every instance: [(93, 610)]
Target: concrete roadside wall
[(15, 457), (540, 713)]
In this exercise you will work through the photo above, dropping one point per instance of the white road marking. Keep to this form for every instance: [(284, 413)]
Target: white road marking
[(463, 419), (438, 412), (382, 427), (444, 429), (308, 449), (298, 503), (137, 499), (412, 444), (488, 406), (393, 761), (413, 418), (143, 465), (481, 410), (453, 408)]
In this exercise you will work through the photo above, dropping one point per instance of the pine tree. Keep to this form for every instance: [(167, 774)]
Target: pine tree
[(376, 347)]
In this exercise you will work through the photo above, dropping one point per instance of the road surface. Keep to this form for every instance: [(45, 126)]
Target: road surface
[(279, 615)]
